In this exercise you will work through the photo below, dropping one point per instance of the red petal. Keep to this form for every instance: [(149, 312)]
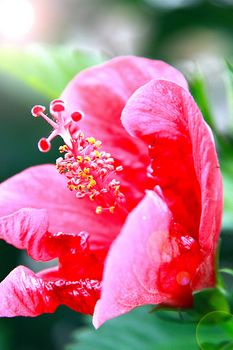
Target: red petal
[(23, 293), (184, 160), (101, 93), (76, 259), (26, 229), (42, 187)]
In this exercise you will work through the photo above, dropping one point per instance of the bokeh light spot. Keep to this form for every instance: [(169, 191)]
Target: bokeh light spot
[(16, 18)]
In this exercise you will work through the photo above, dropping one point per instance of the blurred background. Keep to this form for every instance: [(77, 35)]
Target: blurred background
[(44, 43)]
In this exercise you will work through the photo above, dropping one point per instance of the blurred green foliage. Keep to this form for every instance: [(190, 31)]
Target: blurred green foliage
[(46, 69)]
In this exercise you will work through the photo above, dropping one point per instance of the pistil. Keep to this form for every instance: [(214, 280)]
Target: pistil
[(90, 171)]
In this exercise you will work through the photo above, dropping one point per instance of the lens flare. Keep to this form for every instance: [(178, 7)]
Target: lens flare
[(16, 18)]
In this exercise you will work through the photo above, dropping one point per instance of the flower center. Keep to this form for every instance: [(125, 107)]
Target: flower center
[(90, 171)]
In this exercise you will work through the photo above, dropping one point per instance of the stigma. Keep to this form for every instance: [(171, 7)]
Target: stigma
[(90, 171)]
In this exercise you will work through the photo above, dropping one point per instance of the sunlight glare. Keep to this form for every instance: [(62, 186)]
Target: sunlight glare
[(16, 18)]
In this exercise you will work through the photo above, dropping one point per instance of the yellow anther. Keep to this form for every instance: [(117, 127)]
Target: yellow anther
[(92, 197), (86, 170), (116, 190), (91, 184), (98, 210), (79, 159), (91, 140), (80, 173), (111, 209), (63, 149), (87, 159), (72, 187), (97, 154), (80, 187)]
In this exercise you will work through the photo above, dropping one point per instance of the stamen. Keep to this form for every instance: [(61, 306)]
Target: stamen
[(98, 210), (89, 170), (90, 173)]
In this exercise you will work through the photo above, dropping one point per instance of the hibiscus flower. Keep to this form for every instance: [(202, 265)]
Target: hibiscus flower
[(132, 209)]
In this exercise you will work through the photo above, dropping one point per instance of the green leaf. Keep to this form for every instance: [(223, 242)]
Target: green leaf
[(227, 271), (198, 90), (215, 331), (139, 330), (209, 300), (215, 327), (46, 69), (227, 172)]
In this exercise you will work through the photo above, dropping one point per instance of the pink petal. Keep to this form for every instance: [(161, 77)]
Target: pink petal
[(25, 229), (23, 293), (166, 116), (101, 93), (42, 187), (131, 269)]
